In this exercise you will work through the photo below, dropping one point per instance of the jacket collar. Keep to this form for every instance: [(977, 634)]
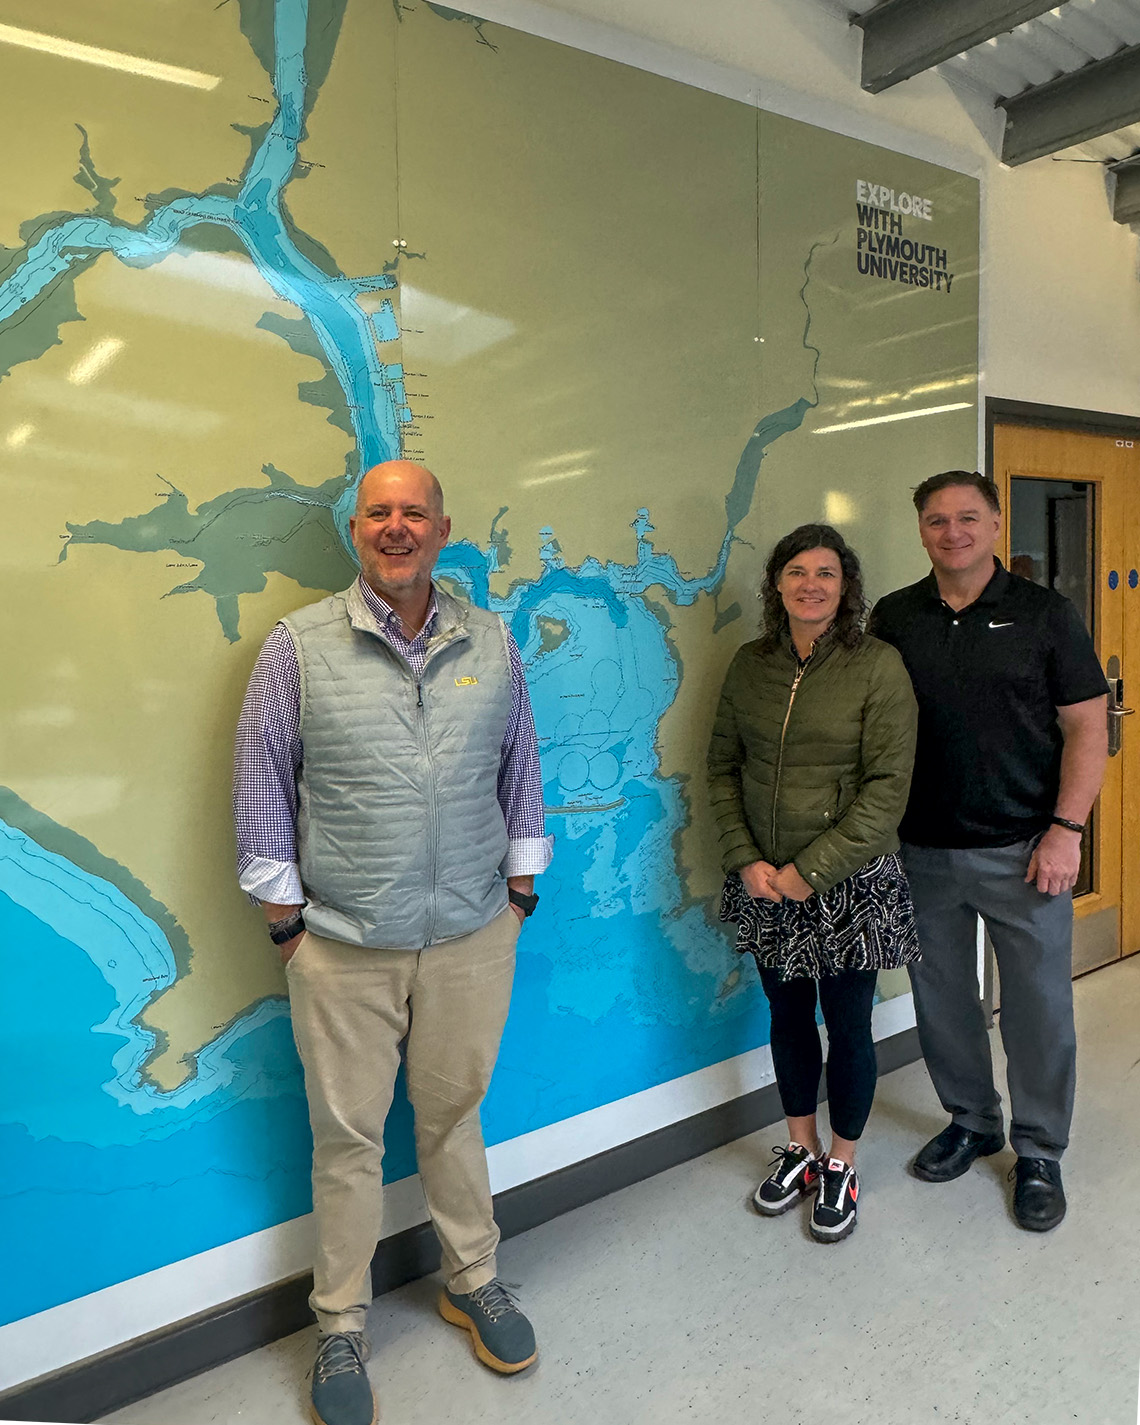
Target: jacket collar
[(368, 613), (819, 649)]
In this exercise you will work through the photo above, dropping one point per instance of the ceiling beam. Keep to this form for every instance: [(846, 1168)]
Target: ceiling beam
[(1073, 108), (1126, 203), (904, 37)]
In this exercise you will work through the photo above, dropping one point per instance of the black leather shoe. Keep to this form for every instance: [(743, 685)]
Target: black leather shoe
[(953, 1153), (1038, 1197)]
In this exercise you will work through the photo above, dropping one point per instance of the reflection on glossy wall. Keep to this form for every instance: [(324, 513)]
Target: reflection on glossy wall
[(625, 323)]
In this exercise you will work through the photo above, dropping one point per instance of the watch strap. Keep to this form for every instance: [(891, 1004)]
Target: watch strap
[(1067, 824), (282, 931), (524, 902)]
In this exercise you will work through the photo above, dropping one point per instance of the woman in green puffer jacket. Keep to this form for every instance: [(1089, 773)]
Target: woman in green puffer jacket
[(809, 769)]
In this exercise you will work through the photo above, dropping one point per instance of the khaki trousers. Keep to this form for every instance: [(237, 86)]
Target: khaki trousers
[(351, 1010)]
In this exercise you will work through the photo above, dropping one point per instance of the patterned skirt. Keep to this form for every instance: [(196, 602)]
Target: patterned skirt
[(864, 923)]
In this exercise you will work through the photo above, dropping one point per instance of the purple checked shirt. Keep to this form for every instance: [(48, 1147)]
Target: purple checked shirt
[(268, 757)]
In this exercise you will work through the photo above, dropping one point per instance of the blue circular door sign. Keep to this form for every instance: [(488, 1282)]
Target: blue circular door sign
[(1113, 578), (1133, 578)]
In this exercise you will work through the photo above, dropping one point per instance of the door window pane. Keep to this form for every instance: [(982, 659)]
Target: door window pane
[(1051, 542)]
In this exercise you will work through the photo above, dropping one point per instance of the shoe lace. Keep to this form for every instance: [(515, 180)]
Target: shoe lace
[(783, 1157), (831, 1183), (496, 1299), (1031, 1167), (341, 1353)]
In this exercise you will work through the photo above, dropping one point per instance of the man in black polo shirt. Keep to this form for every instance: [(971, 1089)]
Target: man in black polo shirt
[(1011, 751)]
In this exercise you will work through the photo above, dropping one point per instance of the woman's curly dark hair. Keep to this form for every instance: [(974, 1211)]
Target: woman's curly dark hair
[(852, 611)]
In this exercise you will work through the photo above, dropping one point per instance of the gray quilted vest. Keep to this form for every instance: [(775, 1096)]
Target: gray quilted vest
[(399, 830)]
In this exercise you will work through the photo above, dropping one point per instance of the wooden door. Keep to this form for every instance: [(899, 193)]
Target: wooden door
[(1070, 524)]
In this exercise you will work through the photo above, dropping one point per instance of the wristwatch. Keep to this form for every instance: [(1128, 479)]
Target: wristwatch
[(282, 931), (524, 902)]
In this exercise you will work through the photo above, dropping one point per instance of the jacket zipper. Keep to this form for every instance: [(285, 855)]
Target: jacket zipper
[(455, 635), (433, 796), (800, 671)]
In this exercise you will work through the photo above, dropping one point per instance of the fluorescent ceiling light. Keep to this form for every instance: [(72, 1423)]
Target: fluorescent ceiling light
[(107, 58), (898, 416), (839, 508), (95, 361), (447, 332), (569, 457), (558, 475)]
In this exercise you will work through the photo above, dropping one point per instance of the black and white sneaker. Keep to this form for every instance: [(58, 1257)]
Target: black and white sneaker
[(795, 1172), (833, 1211)]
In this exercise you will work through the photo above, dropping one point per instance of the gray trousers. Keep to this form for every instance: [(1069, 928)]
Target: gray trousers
[(1032, 936)]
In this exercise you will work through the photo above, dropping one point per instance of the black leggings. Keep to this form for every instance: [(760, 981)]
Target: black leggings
[(797, 1055)]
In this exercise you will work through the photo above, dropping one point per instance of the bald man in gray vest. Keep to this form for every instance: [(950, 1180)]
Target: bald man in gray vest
[(388, 803)]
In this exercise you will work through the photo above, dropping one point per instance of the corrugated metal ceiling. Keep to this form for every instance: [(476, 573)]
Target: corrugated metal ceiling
[(1064, 39)]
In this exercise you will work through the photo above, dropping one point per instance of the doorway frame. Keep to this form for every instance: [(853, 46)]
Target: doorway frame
[(1000, 410)]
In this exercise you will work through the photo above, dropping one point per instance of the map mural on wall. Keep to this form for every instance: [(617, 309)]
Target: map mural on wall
[(637, 331)]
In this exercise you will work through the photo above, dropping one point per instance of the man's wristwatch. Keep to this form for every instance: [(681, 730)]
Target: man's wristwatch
[(282, 931), (524, 902), (1067, 824)]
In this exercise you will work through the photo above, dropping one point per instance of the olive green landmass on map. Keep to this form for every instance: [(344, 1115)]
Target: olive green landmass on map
[(257, 26), (299, 335), (447, 12), (34, 329), (307, 245), (727, 616), (213, 237), (499, 540), (89, 177), (28, 333), (323, 31), (553, 631), (239, 537), (325, 19), (217, 237)]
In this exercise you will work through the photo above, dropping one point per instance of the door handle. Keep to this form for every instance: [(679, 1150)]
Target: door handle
[(1116, 710)]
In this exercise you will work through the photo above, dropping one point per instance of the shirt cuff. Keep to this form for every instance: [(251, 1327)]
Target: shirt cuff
[(277, 882), (528, 856)]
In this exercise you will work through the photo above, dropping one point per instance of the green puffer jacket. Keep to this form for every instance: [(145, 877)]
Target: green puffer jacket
[(811, 763)]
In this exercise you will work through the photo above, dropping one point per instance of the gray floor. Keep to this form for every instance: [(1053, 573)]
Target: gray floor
[(672, 1302)]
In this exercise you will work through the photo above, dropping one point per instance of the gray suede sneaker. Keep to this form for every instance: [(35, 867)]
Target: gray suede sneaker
[(342, 1394), (502, 1336)]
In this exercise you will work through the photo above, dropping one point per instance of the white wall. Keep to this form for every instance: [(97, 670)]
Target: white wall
[(1061, 298)]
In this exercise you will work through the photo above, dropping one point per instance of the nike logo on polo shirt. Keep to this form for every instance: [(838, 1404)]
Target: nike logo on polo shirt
[(1009, 624)]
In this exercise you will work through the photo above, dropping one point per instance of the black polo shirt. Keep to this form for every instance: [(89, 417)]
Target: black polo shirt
[(989, 679)]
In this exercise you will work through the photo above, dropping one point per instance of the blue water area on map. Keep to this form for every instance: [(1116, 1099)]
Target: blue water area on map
[(104, 1176), (618, 978), (139, 1188)]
